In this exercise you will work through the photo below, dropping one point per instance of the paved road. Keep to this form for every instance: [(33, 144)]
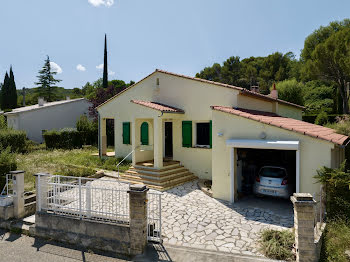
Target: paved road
[(18, 248)]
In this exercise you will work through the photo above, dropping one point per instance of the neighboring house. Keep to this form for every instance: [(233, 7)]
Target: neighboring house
[(43, 116), (216, 131)]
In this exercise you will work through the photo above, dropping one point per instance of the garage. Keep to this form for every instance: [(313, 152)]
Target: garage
[(250, 159)]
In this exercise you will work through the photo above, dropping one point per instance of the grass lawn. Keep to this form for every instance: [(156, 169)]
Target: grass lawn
[(76, 162)]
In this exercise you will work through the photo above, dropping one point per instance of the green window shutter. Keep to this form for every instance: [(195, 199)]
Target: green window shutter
[(126, 133), (187, 133), (210, 133), (144, 133)]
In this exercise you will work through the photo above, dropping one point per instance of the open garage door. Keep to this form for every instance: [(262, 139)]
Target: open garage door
[(252, 161), (248, 157)]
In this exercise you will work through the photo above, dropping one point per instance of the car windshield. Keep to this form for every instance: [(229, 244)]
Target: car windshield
[(272, 172)]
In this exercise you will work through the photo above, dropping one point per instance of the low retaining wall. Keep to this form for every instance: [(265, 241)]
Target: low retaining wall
[(89, 234)]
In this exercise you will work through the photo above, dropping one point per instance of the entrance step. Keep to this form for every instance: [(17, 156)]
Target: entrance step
[(172, 174)]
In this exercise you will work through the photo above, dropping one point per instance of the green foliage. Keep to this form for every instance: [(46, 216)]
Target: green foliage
[(75, 171), (322, 118), (67, 138), (15, 139), (337, 184), (277, 244), (12, 94), (336, 241), (7, 161), (3, 124), (326, 56), (318, 97), (88, 130), (46, 83), (291, 91)]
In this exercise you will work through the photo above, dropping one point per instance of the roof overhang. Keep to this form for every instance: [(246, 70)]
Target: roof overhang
[(263, 144)]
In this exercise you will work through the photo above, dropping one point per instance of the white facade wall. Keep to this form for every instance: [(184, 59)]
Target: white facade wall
[(33, 122)]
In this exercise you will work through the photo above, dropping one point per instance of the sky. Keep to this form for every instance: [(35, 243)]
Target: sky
[(181, 36)]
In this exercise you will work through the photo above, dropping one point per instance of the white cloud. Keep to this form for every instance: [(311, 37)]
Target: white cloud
[(81, 68), (55, 68), (100, 67), (107, 3)]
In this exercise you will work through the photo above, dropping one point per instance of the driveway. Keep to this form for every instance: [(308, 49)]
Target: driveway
[(191, 218)]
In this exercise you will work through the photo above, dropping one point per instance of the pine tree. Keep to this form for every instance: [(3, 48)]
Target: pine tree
[(105, 69), (12, 91), (5, 104), (46, 84)]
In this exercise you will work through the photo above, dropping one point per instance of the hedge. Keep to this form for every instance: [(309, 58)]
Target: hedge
[(8, 163), (312, 117), (67, 138), (15, 139)]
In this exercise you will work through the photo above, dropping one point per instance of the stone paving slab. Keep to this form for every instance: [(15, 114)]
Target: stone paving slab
[(193, 219)]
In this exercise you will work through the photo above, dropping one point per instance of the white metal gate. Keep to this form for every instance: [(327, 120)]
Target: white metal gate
[(154, 219)]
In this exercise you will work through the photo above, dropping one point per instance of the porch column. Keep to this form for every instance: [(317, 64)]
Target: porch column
[(133, 141), (158, 142), (103, 137)]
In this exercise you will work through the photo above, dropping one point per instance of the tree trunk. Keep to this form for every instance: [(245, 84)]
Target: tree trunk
[(344, 96)]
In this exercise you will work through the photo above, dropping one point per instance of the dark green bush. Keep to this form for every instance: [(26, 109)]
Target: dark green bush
[(337, 185), (321, 119), (8, 163), (67, 138), (311, 118), (15, 139), (88, 130)]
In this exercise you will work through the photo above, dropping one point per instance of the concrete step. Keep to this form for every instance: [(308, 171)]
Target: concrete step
[(156, 180), (156, 176), (157, 171), (151, 168)]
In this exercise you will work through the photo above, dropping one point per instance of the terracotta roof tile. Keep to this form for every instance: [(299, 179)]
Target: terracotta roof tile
[(291, 124), (158, 106)]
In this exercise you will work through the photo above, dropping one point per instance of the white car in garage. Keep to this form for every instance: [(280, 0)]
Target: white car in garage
[(273, 181)]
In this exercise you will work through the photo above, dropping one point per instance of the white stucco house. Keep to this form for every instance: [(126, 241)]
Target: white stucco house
[(176, 128), (36, 119)]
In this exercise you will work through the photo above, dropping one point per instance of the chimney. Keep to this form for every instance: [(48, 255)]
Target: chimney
[(255, 89), (67, 97), (274, 92), (24, 96), (41, 101)]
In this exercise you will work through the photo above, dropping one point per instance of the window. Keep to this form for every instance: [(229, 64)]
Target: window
[(144, 133), (203, 134), (126, 133)]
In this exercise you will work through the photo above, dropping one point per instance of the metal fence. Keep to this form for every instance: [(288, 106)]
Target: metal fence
[(8, 188), (320, 198), (154, 220), (93, 199)]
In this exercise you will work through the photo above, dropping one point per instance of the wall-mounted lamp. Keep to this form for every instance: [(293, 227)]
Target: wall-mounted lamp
[(220, 134), (262, 135)]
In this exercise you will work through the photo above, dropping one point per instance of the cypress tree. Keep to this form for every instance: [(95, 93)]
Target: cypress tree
[(105, 70), (12, 90), (5, 93)]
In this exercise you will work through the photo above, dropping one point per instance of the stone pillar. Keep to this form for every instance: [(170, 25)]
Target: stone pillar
[(304, 225), (18, 193), (138, 218), (158, 142), (41, 185)]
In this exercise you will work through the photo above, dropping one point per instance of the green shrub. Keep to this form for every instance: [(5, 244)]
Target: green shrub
[(3, 124), (67, 138), (321, 119), (75, 171), (15, 139), (277, 244), (337, 185), (88, 130), (336, 241), (8, 163)]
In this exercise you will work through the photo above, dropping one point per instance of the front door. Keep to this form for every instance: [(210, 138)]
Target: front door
[(169, 139)]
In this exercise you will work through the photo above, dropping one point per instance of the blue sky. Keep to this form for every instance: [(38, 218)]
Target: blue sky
[(181, 36)]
